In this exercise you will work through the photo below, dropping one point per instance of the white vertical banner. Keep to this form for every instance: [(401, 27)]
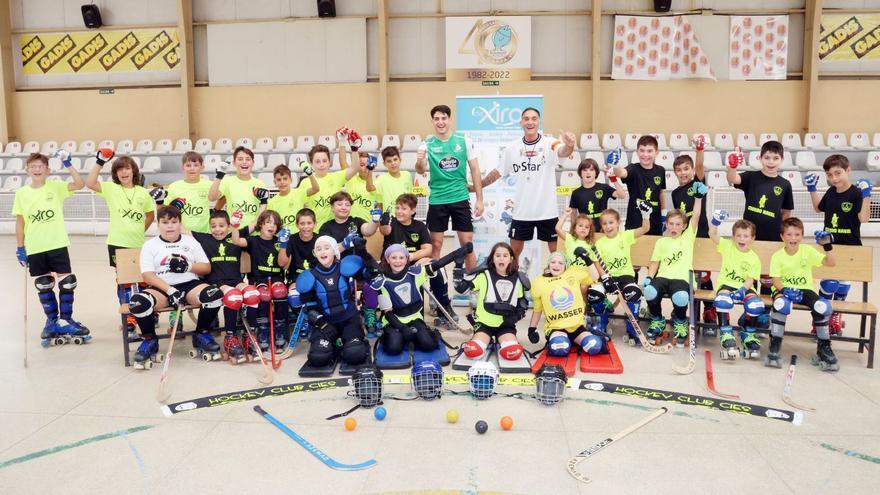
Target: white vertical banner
[(657, 49), (758, 47), (491, 122), (489, 48)]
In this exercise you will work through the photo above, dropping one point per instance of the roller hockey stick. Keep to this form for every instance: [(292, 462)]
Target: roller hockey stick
[(311, 448), (270, 375), (710, 379), (162, 395), (446, 313), (297, 328), (662, 349), (272, 331), (574, 461), (789, 380), (692, 358), (24, 292)]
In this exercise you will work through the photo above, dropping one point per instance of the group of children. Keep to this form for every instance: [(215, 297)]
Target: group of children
[(306, 248)]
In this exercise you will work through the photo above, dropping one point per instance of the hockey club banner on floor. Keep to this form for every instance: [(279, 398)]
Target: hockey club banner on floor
[(491, 122), (657, 49), (489, 48), (758, 47), (127, 50)]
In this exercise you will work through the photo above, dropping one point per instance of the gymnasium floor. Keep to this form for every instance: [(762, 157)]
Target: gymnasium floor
[(77, 421)]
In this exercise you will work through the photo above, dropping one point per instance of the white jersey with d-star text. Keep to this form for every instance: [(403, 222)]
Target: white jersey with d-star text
[(156, 252), (533, 164)]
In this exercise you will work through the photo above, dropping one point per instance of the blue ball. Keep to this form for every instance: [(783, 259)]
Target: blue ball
[(380, 413)]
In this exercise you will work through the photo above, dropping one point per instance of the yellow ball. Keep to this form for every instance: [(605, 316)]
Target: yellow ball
[(350, 424), (452, 416)]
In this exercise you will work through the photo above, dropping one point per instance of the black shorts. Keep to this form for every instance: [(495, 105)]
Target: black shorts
[(111, 253), (184, 287), (496, 332), (666, 286), (54, 260), (460, 213), (524, 230)]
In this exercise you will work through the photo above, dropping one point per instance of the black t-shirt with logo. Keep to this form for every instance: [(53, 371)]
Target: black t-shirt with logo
[(264, 259), (301, 254), (683, 199), (647, 185), (842, 215), (766, 197), (413, 236), (340, 231), (225, 258), (592, 202)]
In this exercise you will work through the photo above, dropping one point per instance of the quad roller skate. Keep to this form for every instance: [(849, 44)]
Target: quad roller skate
[(751, 346), (147, 354), (233, 350), (773, 359), (371, 322), (728, 344), (442, 321), (680, 329), (825, 357), (204, 347), (657, 330), (61, 332)]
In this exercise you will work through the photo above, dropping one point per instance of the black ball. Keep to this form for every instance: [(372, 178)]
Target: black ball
[(481, 427)]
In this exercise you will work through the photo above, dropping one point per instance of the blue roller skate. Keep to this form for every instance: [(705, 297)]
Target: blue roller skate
[(205, 347), (71, 331), (147, 354)]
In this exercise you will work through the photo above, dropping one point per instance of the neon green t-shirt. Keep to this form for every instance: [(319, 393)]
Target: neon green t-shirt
[(128, 207), (572, 243), (737, 266), (616, 253), (328, 185), (481, 285), (796, 271), (447, 165), (561, 299), (239, 195), (389, 188), (287, 206), (361, 199), (675, 255), (43, 212), (196, 214)]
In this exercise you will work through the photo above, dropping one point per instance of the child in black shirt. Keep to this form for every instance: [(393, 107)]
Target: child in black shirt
[(592, 197), (344, 228), (405, 229), (645, 181)]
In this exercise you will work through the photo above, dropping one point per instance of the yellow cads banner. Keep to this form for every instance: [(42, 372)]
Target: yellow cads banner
[(849, 37), (127, 50)]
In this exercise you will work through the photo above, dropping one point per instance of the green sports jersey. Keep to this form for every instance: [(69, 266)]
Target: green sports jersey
[(361, 199), (128, 207), (675, 255), (447, 163), (572, 243), (616, 253), (389, 188), (239, 195), (328, 185), (287, 206), (737, 266), (43, 212), (796, 271), (196, 214)]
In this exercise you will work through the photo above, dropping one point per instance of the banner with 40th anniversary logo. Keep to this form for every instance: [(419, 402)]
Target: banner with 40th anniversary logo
[(129, 50), (489, 48)]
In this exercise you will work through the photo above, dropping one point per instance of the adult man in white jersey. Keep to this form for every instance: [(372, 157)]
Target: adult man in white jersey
[(533, 160)]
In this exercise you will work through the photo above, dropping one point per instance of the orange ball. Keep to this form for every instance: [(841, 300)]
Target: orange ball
[(506, 423), (350, 424)]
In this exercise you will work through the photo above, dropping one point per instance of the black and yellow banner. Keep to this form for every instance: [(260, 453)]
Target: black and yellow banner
[(849, 37), (136, 50)]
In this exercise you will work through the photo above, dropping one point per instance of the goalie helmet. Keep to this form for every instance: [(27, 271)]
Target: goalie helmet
[(427, 379), (550, 384), (482, 379), (366, 386)]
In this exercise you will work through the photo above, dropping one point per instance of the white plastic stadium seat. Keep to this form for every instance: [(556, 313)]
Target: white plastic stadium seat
[(15, 165), (259, 163), (814, 141), (267, 177), (369, 143), (152, 164), (569, 178), (30, 147), (284, 143), (246, 142), (724, 141), (390, 140), (211, 162), (712, 160), (791, 141), (90, 162), (49, 148), (328, 141), (263, 145), (55, 164), (69, 146), (715, 178), (223, 145), (795, 177), (679, 141), (590, 142), (754, 160), (570, 162), (670, 177), (767, 136), (806, 160), (274, 160), (859, 141), (411, 142), (12, 148), (746, 141), (837, 141), (87, 147), (295, 159), (107, 143), (163, 146), (873, 161), (183, 145), (875, 141), (611, 142), (629, 142), (12, 183), (204, 145), (304, 143), (124, 147), (661, 141), (664, 159), (144, 146), (787, 162)]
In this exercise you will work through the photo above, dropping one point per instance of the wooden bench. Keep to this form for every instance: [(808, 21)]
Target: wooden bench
[(854, 263)]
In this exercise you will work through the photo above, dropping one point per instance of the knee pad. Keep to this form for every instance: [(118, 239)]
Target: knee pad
[(822, 306), (233, 299), (424, 339), (250, 296), (753, 305), (44, 283), (68, 283), (211, 297), (473, 348), (263, 291), (842, 290), (510, 350), (278, 291), (142, 304), (723, 302), (596, 294), (782, 305), (558, 345), (355, 351), (650, 293), (828, 287), (632, 293), (392, 341), (592, 344), (680, 298), (293, 298), (320, 351)]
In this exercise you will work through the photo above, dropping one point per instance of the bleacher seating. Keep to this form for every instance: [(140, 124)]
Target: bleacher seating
[(30, 147), (611, 142), (837, 141), (12, 148), (859, 141), (390, 140), (724, 141), (223, 145), (590, 142), (183, 145), (274, 160), (87, 147), (107, 143), (814, 141), (49, 148), (204, 145), (630, 140), (304, 143), (874, 161), (246, 142), (791, 141), (144, 146), (124, 147), (679, 141), (284, 143), (369, 143), (767, 136), (263, 145), (746, 141), (69, 146), (151, 164), (328, 141), (806, 160), (164, 146), (411, 142), (15, 165), (12, 183), (570, 162)]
